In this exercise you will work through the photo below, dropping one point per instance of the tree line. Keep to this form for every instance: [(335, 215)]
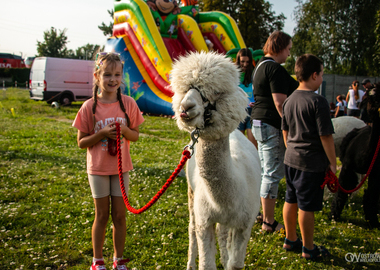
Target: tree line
[(345, 34)]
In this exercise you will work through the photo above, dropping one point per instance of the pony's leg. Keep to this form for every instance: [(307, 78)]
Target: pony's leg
[(237, 247), (206, 247), (371, 198), (193, 246), (348, 179), (222, 233)]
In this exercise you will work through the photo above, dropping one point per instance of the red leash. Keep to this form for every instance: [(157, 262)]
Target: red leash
[(332, 181), (186, 155)]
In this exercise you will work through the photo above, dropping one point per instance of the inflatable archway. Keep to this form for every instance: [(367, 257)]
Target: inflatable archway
[(151, 34)]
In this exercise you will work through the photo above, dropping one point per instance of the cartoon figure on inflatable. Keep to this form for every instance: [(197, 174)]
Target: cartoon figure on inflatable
[(150, 34), (164, 7)]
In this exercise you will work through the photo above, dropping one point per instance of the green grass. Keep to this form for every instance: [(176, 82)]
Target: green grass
[(46, 208)]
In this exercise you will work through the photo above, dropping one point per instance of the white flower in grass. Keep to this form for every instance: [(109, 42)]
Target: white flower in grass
[(68, 216)]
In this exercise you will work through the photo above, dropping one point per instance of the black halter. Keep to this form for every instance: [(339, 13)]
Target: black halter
[(208, 109)]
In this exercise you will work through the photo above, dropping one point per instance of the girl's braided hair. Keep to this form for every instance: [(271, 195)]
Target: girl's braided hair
[(109, 59)]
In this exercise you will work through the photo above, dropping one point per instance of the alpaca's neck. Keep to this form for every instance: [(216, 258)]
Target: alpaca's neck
[(214, 161)]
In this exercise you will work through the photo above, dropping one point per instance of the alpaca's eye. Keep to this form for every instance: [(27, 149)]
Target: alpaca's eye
[(216, 93)]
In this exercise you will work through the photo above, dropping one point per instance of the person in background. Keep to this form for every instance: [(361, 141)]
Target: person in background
[(353, 98), (367, 85), (272, 84), (158, 24), (332, 109), (96, 124), (340, 108), (172, 28), (210, 45), (307, 131), (245, 62)]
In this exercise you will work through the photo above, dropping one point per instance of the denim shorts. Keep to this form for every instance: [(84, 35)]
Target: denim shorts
[(107, 185), (246, 123), (304, 188), (271, 150)]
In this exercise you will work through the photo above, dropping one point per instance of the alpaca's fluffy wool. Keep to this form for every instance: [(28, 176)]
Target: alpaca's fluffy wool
[(218, 80), (225, 173), (342, 126)]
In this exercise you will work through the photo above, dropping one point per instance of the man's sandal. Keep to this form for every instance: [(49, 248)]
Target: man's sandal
[(317, 253), (273, 226), (295, 246)]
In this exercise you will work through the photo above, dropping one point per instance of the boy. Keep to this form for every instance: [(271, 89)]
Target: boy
[(307, 131)]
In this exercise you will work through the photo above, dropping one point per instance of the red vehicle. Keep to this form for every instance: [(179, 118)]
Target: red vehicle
[(8, 60)]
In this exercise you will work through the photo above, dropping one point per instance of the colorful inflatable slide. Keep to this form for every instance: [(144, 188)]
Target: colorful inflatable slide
[(142, 31)]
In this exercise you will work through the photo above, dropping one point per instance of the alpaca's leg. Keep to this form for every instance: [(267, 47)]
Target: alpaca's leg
[(237, 247), (348, 179), (206, 247), (371, 199), (193, 246), (222, 233)]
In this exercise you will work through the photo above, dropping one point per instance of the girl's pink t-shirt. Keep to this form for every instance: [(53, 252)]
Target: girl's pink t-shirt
[(99, 161)]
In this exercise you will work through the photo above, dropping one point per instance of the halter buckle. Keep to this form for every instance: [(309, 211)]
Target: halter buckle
[(194, 139)]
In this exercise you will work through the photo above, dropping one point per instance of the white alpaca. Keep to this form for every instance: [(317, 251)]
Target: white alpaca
[(342, 126), (224, 174)]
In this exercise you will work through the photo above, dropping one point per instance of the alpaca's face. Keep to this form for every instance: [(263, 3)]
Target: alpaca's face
[(191, 110), (216, 78)]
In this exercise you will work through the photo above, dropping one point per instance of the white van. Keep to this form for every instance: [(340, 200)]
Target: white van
[(61, 79)]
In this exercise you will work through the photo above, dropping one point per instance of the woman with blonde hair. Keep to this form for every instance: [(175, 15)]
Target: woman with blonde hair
[(354, 97)]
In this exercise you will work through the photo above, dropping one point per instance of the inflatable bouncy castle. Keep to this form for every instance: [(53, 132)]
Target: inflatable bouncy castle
[(149, 35)]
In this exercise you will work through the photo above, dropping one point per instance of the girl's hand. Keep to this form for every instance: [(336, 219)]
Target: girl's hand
[(123, 129), (109, 131), (130, 134)]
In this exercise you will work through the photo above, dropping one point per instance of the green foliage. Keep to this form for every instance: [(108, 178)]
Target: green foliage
[(376, 55), (86, 52), (342, 33), (46, 208), (21, 75), (54, 44), (255, 18), (107, 29)]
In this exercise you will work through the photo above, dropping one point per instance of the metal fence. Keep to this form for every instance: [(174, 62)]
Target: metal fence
[(334, 85)]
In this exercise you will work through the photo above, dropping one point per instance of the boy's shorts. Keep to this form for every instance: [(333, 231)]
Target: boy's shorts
[(304, 188), (106, 185), (246, 124)]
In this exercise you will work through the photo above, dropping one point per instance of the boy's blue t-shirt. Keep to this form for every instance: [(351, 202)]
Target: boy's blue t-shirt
[(306, 117)]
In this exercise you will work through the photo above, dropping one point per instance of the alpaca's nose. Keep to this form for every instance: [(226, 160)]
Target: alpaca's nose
[(187, 103)]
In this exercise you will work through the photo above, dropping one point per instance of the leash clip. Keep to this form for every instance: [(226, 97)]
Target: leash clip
[(194, 139)]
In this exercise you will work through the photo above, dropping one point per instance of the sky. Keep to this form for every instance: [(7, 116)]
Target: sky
[(23, 22)]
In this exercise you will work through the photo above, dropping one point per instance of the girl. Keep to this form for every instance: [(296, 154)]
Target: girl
[(340, 107), (245, 62), (95, 122), (353, 98)]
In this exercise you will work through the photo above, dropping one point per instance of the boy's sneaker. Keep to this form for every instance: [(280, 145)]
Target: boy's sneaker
[(98, 265), (120, 265)]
